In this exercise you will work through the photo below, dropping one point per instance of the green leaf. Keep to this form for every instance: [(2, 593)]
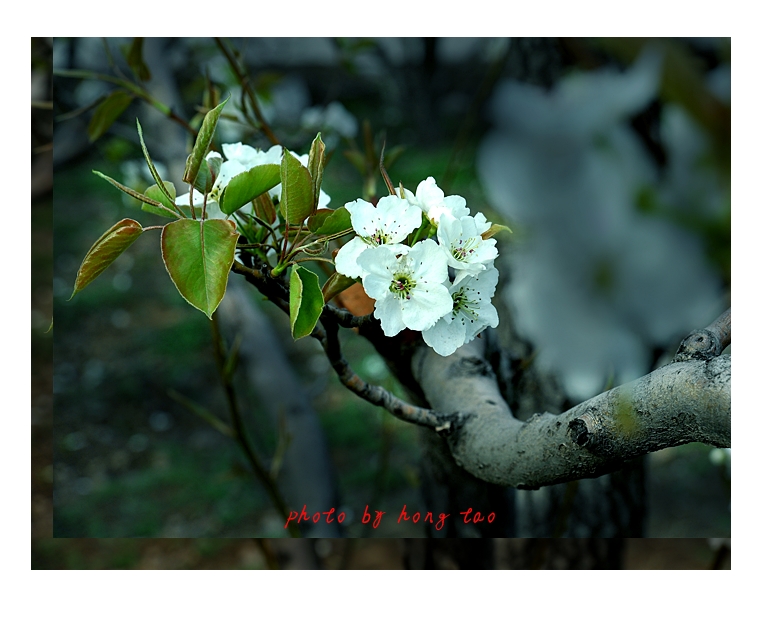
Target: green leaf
[(493, 230), (242, 188), (198, 256), (151, 167), (207, 174), (108, 247), (336, 222), (133, 193), (203, 140), (305, 301), (135, 60), (335, 285), (107, 112), (167, 208), (264, 208), (296, 200), (315, 166), (315, 220)]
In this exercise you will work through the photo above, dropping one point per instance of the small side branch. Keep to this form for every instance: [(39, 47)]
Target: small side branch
[(374, 394), (346, 319), (265, 283), (706, 343), (245, 84)]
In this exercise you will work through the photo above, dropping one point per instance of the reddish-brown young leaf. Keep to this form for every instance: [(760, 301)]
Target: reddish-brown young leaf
[(103, 253)]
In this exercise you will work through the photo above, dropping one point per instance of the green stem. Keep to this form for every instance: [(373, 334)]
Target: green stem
[(305, 259)]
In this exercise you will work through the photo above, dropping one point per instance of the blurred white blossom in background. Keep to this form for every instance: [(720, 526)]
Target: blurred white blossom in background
[(594, 282)]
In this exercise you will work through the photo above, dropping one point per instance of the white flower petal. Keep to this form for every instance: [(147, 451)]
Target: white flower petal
[(346, 259), (361, 213), (429, 262), (381, 260), (428, 302), (456, 206), (473, 312), (445, 337), (429, 193), (390, 315), (430, 198), (467, 252)]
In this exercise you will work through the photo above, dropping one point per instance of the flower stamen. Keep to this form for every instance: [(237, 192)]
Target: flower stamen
[(401, 286), (464, 249)]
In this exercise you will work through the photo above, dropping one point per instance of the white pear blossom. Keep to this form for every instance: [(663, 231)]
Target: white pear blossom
[(389, 223), (472, 311), (250, 157), (239, 158), (467, 252), (408, 285), (430, 198)]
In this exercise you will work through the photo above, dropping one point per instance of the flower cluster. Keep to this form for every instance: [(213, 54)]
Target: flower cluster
[(427, 263), (441, 285)]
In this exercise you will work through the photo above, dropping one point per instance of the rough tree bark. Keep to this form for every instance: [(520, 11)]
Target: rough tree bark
[(680, 403)]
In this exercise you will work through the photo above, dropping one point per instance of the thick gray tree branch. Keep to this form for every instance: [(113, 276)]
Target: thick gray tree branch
[(683, 402), (680, 403)]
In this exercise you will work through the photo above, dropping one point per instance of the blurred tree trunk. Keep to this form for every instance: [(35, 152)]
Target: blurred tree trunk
[(307, 476)]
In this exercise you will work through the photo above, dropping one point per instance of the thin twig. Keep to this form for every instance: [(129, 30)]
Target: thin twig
[(272, 288), (346, 318), (240, 433), (246, 86), (269, 555), (374, 394)]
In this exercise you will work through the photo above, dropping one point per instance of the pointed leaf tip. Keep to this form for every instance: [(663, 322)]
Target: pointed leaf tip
[(315, 166), (493, 230), (198, 256), (203, 141)]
